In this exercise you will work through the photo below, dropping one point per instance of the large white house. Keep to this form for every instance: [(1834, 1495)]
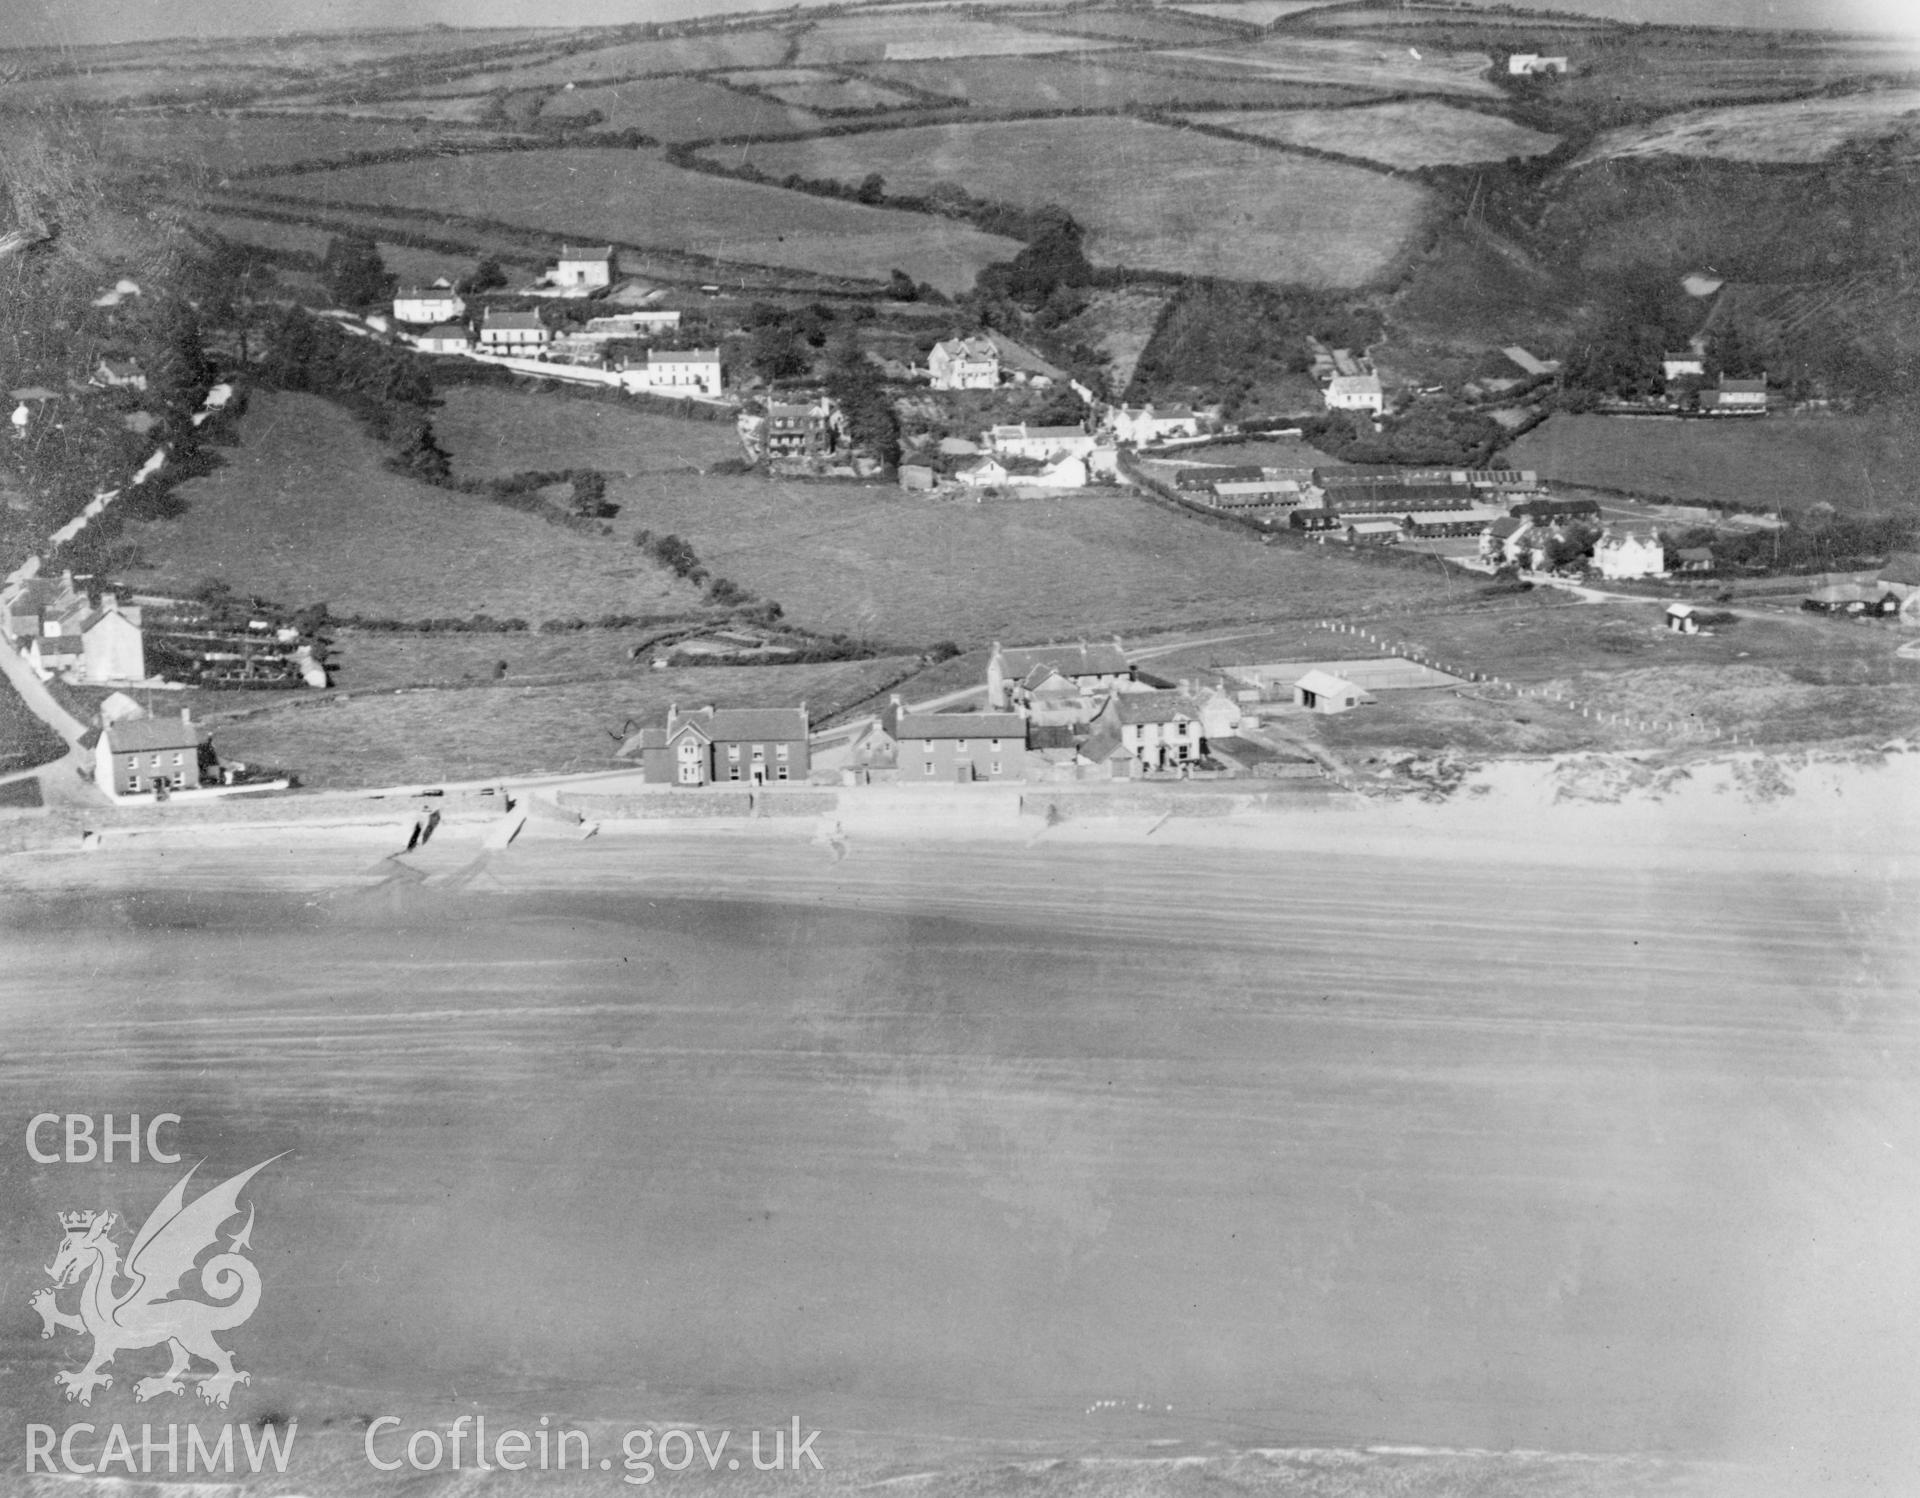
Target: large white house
[(583, 267), (1360, 392), (681, 371), (1139, 425), (438, 303), (965, 364), (447, 338), (513, 332), (1618, 558), (1043, 443)]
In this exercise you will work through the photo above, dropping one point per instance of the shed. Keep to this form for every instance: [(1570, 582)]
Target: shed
[(1683, 619), (1320, 692)]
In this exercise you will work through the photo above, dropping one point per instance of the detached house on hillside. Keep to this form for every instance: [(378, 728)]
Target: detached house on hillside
[(583, 267), (1358, 392), (965, 364), (513, 333), (438, 303), (745, 746)]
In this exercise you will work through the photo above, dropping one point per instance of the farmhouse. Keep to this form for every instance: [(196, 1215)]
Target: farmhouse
[(1320, 692), (960, 747), (27, 605), (724, 746), (965, 364), (1619, 558), (438, 303), (1358, 392), (120, 374), (1138, 426), (513, 332), (1043, 443), (144, 754), (583, 267), (1532, 64), (447, 338), (1160, 730), (1693, 559), (677, 372), (1013, 676)]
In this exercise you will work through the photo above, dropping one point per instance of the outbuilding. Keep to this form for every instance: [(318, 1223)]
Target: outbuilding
[(1322, 692), (1683, 619)]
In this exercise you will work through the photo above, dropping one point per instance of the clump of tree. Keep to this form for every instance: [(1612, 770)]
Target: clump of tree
[(856, 386), (354, 274)]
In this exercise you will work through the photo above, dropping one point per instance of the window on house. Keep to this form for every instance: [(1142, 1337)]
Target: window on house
[(781, 751), (733, 751), (154, 764), (177, 760), (994, 745), (783, 772), (959, 746), (759, 751), (929, 767), (927, 745), (996, 767), (733, 772)]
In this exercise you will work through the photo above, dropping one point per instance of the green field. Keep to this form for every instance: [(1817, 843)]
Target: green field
[(491, 432), (1099, 81), (687, 54), (239, 143), (411, 265), (1357, 63), (906, 37), (634, 197), (303, 512), (843, 94), (1405, 134), (874, 563), (1853, 463), (1163, 28), (463, 733), (1150, 196), (676, 109)]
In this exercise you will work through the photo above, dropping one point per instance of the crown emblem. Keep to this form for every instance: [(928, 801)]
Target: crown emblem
[(78, 1222)]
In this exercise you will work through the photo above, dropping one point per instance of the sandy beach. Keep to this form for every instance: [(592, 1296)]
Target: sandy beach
[(1527, 1142)]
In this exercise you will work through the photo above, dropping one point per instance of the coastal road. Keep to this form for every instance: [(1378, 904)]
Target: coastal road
[(968, 1148)]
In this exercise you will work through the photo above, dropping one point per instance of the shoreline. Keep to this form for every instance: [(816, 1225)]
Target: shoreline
[(1832, 813)]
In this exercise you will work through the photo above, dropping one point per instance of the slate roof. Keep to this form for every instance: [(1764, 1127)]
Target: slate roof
[(959, 726), (586, 252), (683, 356), (493, 319), (748, 724), (1152, 707), (141, 735)]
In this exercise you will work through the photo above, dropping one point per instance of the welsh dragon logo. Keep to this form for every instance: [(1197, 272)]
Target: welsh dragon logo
[(145, 1313)]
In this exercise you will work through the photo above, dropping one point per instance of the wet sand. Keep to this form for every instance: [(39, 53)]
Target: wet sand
[(981, 1152)]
